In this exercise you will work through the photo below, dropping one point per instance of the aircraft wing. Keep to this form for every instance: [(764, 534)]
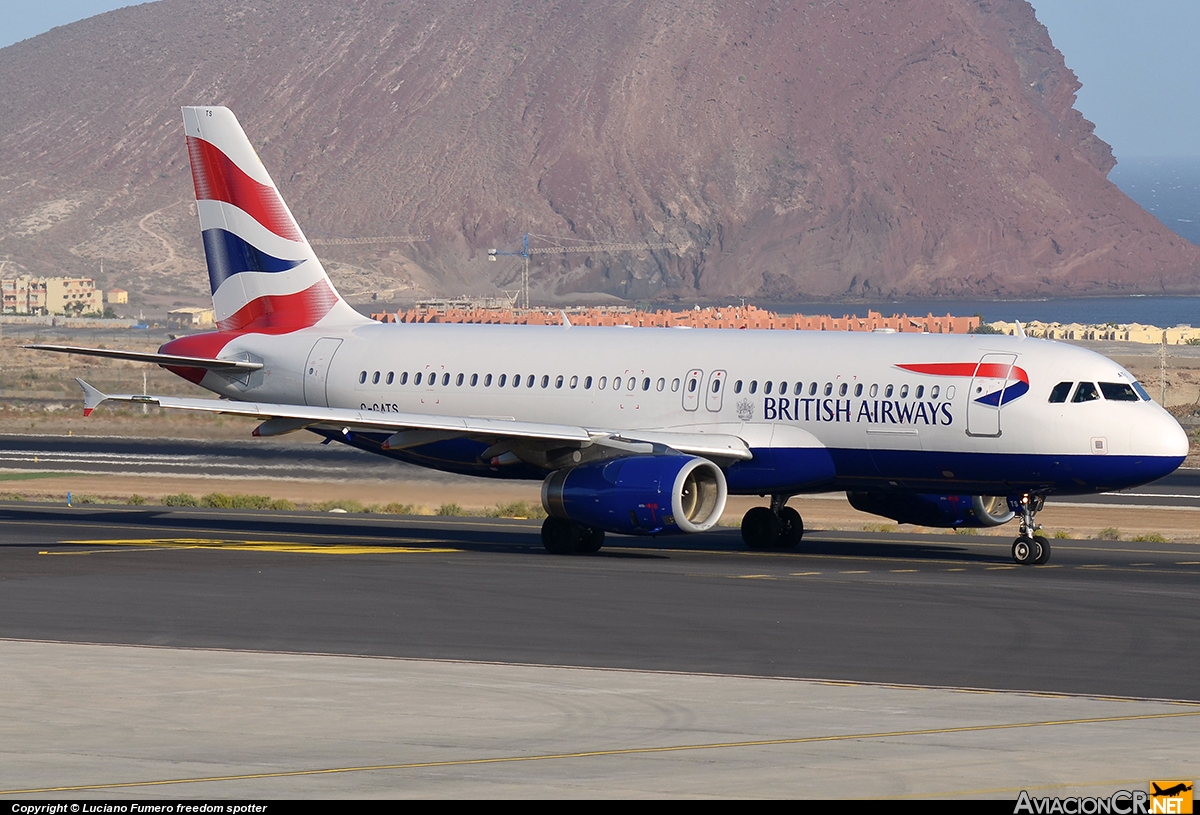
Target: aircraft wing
[(158, 359), (410, 429)]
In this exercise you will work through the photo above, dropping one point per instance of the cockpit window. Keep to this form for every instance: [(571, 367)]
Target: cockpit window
[(1061, 391), (1141, 391), (1086, 392), (1118, 392)]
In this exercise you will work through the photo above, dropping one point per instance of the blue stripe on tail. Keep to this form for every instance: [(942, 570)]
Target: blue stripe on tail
[(227, 255)]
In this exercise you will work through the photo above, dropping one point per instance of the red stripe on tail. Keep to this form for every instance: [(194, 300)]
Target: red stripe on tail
[(282, 313), (217, 178)]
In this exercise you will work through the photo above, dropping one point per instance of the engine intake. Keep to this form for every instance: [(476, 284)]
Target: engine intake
[(639, 495), (934, 510)]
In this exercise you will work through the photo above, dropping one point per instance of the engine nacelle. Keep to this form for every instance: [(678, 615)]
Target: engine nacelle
[(639, 495), (934, 510)]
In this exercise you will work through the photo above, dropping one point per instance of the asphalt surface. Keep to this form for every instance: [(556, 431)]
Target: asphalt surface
[(1105, 617)]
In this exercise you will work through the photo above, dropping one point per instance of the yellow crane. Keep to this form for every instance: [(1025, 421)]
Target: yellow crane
[(526, 251)]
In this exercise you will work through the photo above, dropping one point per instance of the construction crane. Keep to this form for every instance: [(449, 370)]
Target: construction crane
[(358, 241), (526, 252)]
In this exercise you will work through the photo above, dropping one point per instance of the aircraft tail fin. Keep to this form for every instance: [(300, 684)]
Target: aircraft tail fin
[(264, 275)]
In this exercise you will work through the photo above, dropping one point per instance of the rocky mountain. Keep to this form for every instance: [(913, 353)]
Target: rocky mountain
[(786, 148)]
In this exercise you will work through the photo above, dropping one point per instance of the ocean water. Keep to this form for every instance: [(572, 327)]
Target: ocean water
[(1167, 188)]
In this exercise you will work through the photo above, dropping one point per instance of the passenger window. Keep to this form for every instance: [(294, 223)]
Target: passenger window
[(459, 380), (828, 388), (716, 385), (812, 389), (737, 386), (1118, 392), (375, 378), (799, 388), (390, 377), (417, 378), (558, 381), (404, 378), (487, 381), (587, 384), (646, 384), (842, 390), (632, 383), (529, 381), (362, 378), (874, 391), (1061, 391), (767, 386), (933, 392), (500, 382), (858, 389), (692, 386), (445, 379), (662, 383), (574, 382), (602, 384), (904, 391), (674, 385), (754, 386), (1086, 392), (546, 381), (474, 380), (887, 392), (920, 391)]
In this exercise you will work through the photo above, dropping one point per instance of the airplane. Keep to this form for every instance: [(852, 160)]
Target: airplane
[(1170, 792), (647, 431)]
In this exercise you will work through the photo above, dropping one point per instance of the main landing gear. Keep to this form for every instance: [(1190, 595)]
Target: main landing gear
[(774, 527), (1030, 548), (563, 537)]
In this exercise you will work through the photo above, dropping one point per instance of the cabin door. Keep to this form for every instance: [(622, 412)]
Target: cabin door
[(316, 371), (986, 396)]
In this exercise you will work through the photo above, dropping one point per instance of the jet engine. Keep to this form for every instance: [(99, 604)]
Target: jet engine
[(934, 510), (639, 495)]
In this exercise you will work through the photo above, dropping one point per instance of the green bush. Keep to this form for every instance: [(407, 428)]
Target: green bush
[(1062, 534), (135, 500), (180, 500), (1110, 533), (394, 508), (515, 509), (450, 509), (222, 501), (1150, 537)]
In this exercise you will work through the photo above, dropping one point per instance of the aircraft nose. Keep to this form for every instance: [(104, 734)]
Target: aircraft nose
[(1159, 437)]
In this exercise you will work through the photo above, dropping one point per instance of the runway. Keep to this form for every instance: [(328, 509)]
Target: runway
[(281, 654)]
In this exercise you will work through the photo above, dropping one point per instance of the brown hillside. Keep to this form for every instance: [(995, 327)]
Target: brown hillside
[(814, 148)]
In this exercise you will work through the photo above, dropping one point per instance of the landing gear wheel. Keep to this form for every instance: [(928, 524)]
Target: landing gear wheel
[(792, 528), (590, 540), (1043, 550), (560, 536), (1024, 551), (761, 528)]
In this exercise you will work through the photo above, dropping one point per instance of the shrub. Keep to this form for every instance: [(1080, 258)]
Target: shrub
[(394, 508), (450, 509), (222, 501), (1110, 533), (135, 500), (180, 500), (86, 499), (516, 509), (282, 504), (1062, 534), (965, 530), (1150, 537)]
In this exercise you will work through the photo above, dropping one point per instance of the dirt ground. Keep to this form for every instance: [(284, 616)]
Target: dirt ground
[(823, 512)]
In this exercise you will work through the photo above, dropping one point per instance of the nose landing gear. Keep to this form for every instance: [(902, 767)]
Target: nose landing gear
[(774, 527), (1030, 548)]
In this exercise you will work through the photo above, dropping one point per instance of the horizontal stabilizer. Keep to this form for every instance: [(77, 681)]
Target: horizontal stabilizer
[(166, 360)]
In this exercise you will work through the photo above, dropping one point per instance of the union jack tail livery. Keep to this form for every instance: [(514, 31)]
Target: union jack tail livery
[(265, 277)]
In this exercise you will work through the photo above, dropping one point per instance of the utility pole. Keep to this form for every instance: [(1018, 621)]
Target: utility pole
[(1162, 371)]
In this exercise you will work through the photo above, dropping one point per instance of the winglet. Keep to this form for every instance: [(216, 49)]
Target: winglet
[(566, 322), (1020, 330), (91, 397)]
